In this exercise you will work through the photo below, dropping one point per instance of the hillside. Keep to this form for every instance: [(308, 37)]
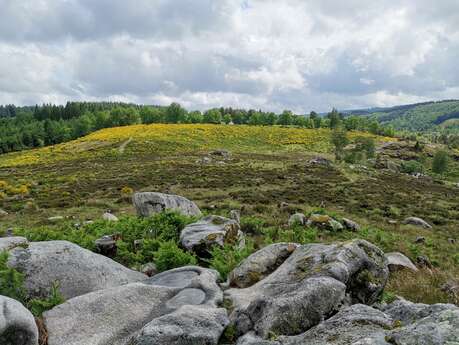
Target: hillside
[(268, 173), (429, 116)]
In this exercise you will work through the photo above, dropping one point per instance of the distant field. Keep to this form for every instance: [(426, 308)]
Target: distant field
[(268, 166)]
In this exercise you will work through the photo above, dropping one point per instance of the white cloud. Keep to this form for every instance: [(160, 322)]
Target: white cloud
[(270, 54)]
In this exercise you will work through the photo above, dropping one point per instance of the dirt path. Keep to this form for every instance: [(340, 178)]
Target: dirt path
[(123, 145)]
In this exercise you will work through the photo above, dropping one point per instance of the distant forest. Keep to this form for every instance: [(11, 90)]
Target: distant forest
[(28, 127)]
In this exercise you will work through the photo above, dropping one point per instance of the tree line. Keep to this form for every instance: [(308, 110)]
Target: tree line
[(49, 124)]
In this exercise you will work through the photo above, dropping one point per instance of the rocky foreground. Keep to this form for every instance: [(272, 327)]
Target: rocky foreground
[(284, 294)]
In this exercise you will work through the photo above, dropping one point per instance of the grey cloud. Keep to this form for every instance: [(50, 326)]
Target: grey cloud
[(270, 54)]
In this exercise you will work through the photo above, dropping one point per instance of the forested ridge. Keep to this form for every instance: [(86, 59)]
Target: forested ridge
[(419, 117), (48, 124)]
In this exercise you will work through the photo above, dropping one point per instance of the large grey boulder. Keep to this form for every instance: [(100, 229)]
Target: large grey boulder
[(408, 312), (308, 287), (260, 264), (77, 271), (179, 306), (417, 222), (400, 323), (192, 316), (397, 261), (112, 316), (149, 203), (8, 243), (189, 325), (357, 324), (189, 279), (423, 324), (201, 236), (17, 324)]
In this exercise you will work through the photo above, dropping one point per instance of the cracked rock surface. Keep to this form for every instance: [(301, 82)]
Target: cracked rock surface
[(174, 307), (308, 287)]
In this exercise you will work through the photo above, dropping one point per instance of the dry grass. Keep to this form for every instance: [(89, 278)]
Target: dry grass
[(424, 286)]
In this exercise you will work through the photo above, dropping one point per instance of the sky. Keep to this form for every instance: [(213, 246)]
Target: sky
[(273, 55)]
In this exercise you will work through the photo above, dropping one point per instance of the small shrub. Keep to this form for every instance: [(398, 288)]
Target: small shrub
[(170, 256), (12, 286), (225, 259), (440, 162), (388, 297), (252, 225), (297, 234), (39, 306), (411, 167), (11, 281), (353, 157)]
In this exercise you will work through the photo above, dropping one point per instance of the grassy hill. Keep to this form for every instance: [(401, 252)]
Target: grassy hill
[(269, 166), (428, 116)]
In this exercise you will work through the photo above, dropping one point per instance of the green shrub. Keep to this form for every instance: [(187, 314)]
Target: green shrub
[(353, 157), (12, 286), (440, 162), (150, 231), (225, 259), (11, 281), (411, 167), (252, 225), (295, 234), (39, 306), (170, 256), (365, 145)]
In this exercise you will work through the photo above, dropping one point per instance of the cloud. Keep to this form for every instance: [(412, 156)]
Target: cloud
[(268, 54)]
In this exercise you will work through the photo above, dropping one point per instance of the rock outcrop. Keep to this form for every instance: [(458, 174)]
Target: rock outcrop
[(401, 323), (149, 203), (309, 287), (201, 236), (189, 325), (260, 264), (112, 316), (77, 271), (17, 324)]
